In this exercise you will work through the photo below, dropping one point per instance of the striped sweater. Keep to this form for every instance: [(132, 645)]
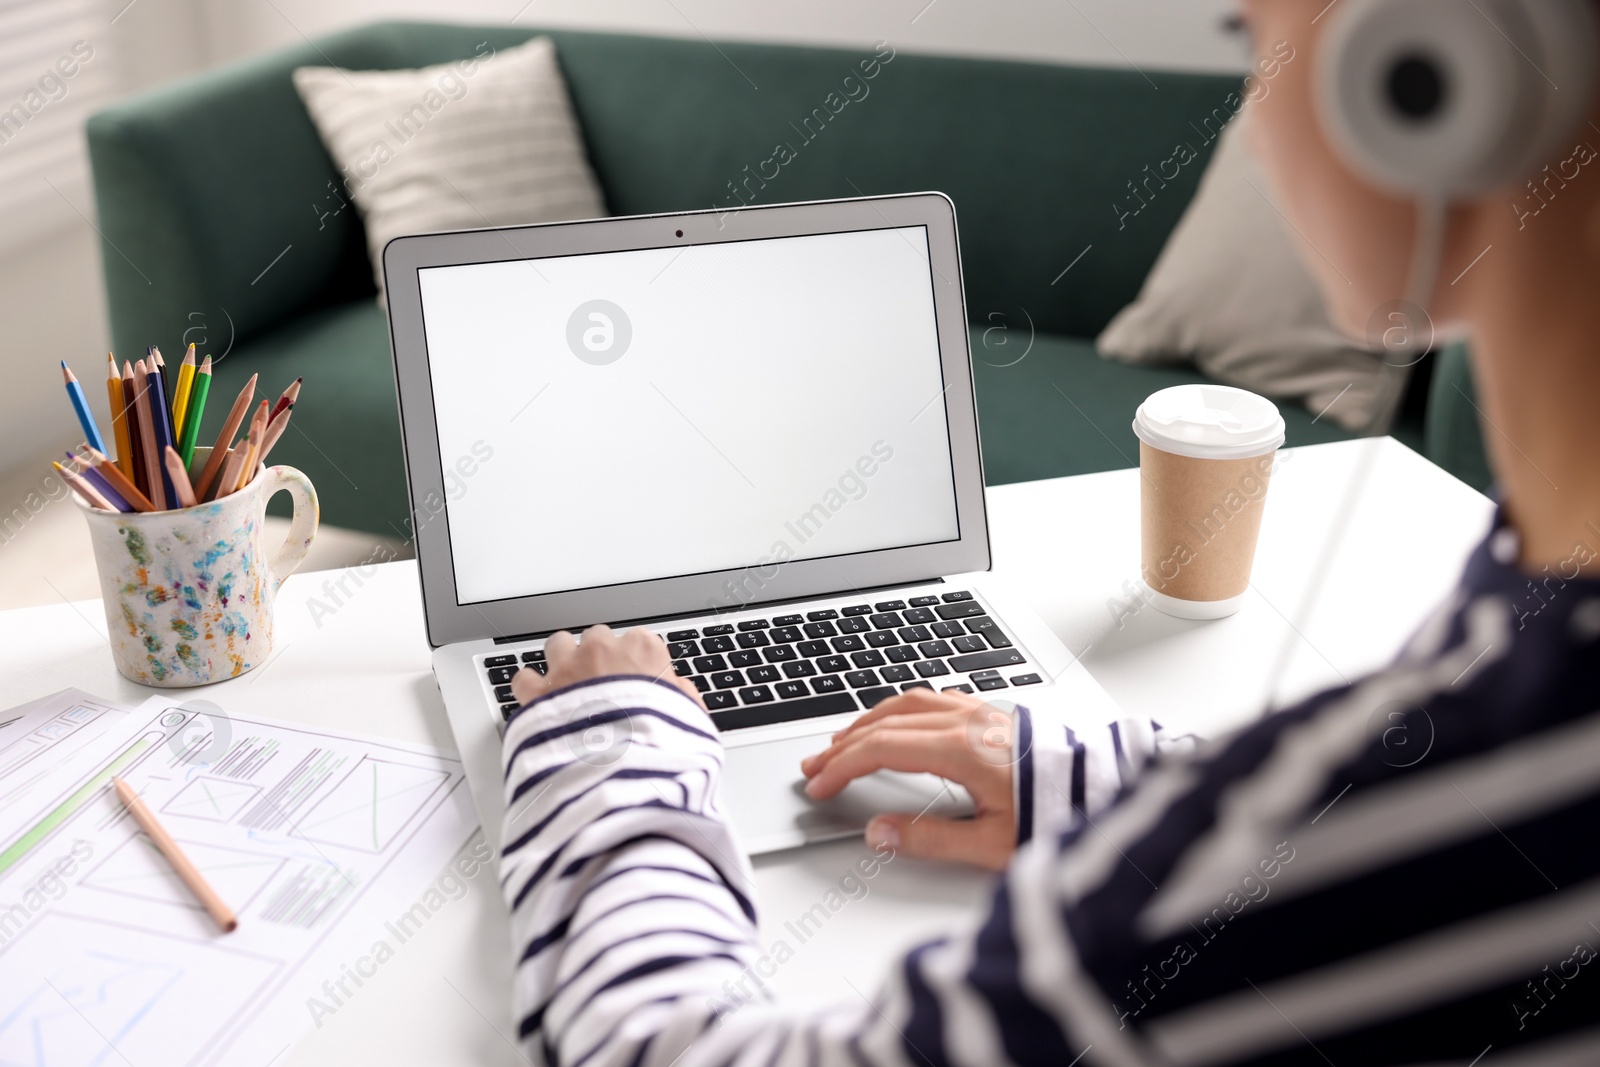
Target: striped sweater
[(1399, 871)]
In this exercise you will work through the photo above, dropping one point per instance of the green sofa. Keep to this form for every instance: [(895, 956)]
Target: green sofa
[(219, 211)]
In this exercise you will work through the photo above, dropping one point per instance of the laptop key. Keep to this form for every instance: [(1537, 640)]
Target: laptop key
[(986, 674), (901, 654), (791, 690), (1025, 679), (507, 709), (1000, 657), (924, 601), (848, 643), (858, 609), (718, 630), (969, 643), (947, 629), (869, 697), (833, 664), (745, 657), (727, 679), (857, 679), (820, 629), (786, 635), (931, 668), (717, 644), (888, 620), (934, 649), (787, 711), (918, 616), (813, 649), (682, 649), (763, 673), (499, 661), (539, 665), (707, 664), (754, 624), (897, 672), (779, 653), (720, 700), (827, 683), (501, 675), (996, 639), (909, 686), (982, 623), (681, 668), (682, 635), (890, 605), (753, 639), (800, 668), (787, 620), (959, 611), (987, 684), (856, 625), (951, 598), (535, 656), (755, 694), (962, 688), (503, 693), (881, 639), (819, 616), (701, 683), (870, 658)]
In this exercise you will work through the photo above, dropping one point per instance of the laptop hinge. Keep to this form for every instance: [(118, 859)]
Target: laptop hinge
[(754, 605)]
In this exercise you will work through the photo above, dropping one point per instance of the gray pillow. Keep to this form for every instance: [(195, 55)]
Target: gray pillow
[(490, 140), (1230, 294)]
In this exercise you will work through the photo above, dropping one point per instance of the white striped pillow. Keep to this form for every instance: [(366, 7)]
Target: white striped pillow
[(490, 140)]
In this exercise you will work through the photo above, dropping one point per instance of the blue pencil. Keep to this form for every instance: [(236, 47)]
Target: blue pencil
[(162, 416), (80, 404)]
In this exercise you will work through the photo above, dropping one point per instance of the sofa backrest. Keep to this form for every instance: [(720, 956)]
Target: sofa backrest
[(220, 207)]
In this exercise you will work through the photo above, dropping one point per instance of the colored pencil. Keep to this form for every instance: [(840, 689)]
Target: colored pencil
[(130, 408), (286, 401), (80, 466), (119, 416), (194, 412), (180, 393), (80, 404), (156, 363), (130, 492), (164, 439), (187, 871), (252, 451), (90, 495), (219, 452), (152, 484), (230, 472), (275, 428), (180, 478)]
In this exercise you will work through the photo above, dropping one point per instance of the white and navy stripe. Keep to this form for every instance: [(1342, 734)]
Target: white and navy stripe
[(1306, 892)]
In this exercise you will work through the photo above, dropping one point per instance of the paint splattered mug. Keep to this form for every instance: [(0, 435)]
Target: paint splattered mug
[(188, 593)]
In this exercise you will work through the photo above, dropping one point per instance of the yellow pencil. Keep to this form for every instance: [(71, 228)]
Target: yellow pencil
[(180, 393), (119, 417)]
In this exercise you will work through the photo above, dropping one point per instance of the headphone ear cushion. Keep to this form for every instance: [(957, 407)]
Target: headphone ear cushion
[(1439, 99)]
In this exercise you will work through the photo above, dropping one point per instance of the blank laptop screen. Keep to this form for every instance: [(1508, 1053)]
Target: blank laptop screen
[(626, 416)]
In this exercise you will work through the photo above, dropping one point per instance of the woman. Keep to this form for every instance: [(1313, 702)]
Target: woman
[(1287, 896)]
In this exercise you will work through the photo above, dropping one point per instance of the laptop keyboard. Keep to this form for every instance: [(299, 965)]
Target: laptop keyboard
[(827, 662)]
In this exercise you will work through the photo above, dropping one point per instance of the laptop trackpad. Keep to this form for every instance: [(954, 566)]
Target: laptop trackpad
[(765, 792)]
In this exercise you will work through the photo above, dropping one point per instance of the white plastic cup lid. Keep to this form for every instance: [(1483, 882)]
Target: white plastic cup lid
[(1209, 422)]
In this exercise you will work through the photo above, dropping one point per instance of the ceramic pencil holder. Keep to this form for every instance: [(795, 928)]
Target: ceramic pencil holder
[(188, 593)]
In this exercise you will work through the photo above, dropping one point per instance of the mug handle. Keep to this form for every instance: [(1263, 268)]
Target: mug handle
[(302, 527)]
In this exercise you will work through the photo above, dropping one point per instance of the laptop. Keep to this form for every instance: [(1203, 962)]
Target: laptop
[(752, 432)]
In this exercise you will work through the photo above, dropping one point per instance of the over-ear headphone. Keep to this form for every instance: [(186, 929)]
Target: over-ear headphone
[(1444, 100)]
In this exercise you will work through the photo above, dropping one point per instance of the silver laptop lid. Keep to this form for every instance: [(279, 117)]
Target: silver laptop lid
[(635, 418)]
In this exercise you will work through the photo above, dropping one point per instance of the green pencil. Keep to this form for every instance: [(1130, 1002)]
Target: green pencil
[(195, 409)]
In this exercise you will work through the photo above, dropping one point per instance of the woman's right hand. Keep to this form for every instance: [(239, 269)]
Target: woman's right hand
[(953, 735)]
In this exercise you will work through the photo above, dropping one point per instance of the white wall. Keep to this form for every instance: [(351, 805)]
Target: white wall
[(51, 306)]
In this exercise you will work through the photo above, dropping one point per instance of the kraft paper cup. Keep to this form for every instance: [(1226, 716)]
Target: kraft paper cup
[(188, 593), (1205, 457)]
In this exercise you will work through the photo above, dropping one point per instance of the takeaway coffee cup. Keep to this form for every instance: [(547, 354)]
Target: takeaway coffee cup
[(1205, 455)]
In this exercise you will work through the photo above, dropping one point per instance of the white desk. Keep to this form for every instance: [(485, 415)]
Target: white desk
[(1068, 544)]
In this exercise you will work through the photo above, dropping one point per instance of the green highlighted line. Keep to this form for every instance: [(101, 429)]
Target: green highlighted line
[(69, 807)]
